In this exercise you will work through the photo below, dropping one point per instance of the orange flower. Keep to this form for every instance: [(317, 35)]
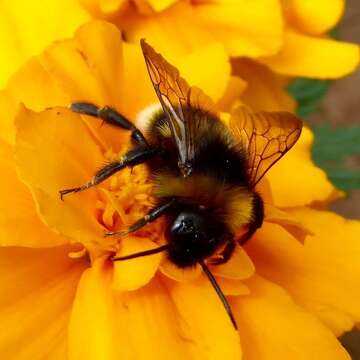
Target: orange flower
[(62, 297)]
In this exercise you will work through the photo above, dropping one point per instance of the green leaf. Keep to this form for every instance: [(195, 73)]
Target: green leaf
[(333, 150), (308, 94)]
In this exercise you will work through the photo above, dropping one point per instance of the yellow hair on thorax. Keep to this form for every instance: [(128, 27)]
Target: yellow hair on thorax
[(233, 204)]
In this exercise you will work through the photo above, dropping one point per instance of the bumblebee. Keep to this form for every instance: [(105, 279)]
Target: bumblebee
[(204, 172)]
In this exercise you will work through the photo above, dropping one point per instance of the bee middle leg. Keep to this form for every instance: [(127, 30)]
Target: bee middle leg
[(130, 159), (110, 116)]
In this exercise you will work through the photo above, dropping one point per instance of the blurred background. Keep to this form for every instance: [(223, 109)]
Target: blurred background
[(340, 108)]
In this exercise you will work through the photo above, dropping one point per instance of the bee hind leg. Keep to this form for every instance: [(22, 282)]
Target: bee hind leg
[(110, 116), (130, 159)]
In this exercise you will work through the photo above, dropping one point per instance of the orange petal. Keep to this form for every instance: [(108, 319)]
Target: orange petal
[(289, 222), (201, 316), (44, 23), (295, 180), (135, 273), (323, 275), (314, 17), (36, 95), (20, 224), (37, 290), (179, 274), (272, 326), (90, 68), (235, 88), (233, 287), (49, 159), (119, 325), (307, 56), (265, 90), (239, 266)]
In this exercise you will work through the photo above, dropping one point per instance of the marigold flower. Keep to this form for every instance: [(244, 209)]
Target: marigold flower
[(288, 37), (61, 297)]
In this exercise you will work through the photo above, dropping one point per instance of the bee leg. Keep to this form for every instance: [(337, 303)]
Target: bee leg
[(110, 116), (130, 159), (225, 255), (152, 215)]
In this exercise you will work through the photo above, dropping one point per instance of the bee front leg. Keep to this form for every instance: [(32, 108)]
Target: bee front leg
[(110, 116), (130, 159)]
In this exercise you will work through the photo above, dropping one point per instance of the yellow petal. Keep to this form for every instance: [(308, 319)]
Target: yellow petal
[(136, 79), (314, 17), (159, 5), (119, 325), (135, 273), (49, 159), (234, 89), (239, 266), (228, 22), (37, 290), (323, 275), (295, 180), (265, 90), (201, 316), (44, 23), (212, 79), (272, 326), (20, 224), (307, 56)]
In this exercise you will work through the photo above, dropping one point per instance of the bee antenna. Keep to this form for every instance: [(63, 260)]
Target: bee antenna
[(219, 292), (142, 253)]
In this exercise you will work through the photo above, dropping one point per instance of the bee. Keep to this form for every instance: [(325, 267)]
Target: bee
[(204, 172)]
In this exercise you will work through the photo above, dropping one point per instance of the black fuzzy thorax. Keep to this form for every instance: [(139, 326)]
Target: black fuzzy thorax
[(218, 157), (217, 153)]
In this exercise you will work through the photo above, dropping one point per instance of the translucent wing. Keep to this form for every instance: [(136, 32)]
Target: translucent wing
[(181, 103), (266, 136)]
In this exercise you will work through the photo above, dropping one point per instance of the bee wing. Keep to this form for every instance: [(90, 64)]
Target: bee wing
[(266, 136), (180, 102)]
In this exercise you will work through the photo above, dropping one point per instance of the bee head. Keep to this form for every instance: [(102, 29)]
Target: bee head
[(194, 236)]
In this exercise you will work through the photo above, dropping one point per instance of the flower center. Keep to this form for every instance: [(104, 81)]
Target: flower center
[(122, 200)]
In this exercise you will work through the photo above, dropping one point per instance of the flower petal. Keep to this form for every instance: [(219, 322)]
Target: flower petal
[(20, 224), (90, 68), (201, 316), (239, 266), (49, 159), (37, 290), (176, 273), (135, 273), (273, 327), (228, 22), (307, 56), (323, 275), (289, 222), (265, 90), (44, 23), (314, 17), (127, 325), (296, 170)]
